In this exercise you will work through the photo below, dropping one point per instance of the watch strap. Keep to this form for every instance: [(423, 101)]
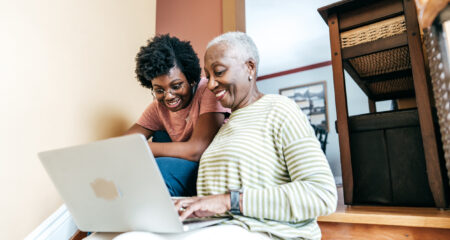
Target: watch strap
[(234, 202)]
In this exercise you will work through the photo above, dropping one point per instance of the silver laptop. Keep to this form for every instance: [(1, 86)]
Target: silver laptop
[(115, 185)]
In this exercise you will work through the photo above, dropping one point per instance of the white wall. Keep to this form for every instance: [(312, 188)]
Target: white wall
[(67, 77), (291, 34)]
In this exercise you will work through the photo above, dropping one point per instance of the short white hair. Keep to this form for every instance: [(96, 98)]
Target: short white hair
[(247, 48)]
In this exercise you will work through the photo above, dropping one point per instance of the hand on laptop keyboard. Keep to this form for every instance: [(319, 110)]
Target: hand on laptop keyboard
[(202, 206)]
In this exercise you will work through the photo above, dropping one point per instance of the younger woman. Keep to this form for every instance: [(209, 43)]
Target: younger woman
[(183, 108)]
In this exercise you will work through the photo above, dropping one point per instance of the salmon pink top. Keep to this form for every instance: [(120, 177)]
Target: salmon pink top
[(180, 125)]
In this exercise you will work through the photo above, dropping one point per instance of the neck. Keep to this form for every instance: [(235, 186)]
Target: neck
[(253, 96)]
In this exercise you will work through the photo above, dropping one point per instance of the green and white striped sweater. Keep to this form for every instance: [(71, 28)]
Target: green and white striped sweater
[(269, 150)]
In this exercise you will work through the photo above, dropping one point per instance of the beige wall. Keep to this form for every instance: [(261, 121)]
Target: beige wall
[(197, 21), (67, 77)]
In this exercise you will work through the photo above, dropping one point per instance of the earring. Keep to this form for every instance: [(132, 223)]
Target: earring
[(193, 88), (250, 78)]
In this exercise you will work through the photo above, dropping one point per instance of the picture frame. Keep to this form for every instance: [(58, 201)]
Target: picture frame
[(312, 100)]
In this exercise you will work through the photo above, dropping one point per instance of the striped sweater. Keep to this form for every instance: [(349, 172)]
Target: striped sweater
[(269, 150)]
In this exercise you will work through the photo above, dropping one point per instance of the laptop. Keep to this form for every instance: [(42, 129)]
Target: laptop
[(115, 185)]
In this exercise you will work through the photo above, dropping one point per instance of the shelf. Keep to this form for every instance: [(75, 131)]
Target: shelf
[(392, 216)]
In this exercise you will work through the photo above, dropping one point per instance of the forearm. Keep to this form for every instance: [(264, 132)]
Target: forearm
[(185, 150), (311, 192), (204, 131), (136, 128), (284, 203), (294, 201)]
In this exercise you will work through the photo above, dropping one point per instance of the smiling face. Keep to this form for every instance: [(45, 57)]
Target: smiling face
[(172, 90), (228, 76)]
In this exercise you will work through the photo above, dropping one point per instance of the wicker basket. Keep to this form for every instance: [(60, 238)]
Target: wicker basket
[(402, 84), (374, 31), (384, 62), (396, 59)]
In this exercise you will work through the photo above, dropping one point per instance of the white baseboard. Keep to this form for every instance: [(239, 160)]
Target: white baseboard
[(58, 226)]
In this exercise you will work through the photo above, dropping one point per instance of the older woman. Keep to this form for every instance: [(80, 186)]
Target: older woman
[(267, 151), (265, 167)]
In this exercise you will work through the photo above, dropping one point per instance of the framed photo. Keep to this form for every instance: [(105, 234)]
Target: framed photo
[(312, 100)]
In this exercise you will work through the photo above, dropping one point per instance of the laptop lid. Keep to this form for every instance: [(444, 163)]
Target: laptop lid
[(113, 185)]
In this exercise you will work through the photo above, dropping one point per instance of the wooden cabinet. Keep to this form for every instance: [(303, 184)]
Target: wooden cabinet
[(379, 44)]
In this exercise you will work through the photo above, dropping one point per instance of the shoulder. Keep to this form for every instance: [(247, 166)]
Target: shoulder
[(157, 110), (286, 109), (154, 106), (283, 103), (203, 93), (202, 86), (152, 116), (279, 98)]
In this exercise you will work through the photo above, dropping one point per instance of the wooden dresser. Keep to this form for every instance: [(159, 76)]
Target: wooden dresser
[(378, 43)]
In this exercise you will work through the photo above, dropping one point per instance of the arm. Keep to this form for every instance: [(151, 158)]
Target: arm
[(136, 128), (204, 131), (311, 192)]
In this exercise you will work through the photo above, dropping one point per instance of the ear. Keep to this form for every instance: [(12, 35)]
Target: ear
[(251, 65)]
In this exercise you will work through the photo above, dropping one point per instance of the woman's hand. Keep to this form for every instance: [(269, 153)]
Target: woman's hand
[(202, 206)]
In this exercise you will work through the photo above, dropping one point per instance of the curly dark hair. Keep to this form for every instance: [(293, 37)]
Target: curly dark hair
[(161, 54)]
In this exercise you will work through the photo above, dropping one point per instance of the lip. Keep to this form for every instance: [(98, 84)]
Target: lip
[(220, 94), (176, 102)]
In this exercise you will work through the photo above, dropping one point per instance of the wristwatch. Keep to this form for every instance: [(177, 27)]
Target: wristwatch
[(235, 196)]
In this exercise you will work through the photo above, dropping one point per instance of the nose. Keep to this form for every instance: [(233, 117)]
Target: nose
[(169, 94), (212, 84)]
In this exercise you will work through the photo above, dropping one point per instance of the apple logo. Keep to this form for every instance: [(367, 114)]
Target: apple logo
[(105, 189)]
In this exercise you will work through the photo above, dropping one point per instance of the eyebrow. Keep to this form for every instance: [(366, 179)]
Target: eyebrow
[(214, 64), (171, 81), (177, 79)]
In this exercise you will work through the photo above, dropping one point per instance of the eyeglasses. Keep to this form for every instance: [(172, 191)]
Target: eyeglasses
[(159, 92)]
